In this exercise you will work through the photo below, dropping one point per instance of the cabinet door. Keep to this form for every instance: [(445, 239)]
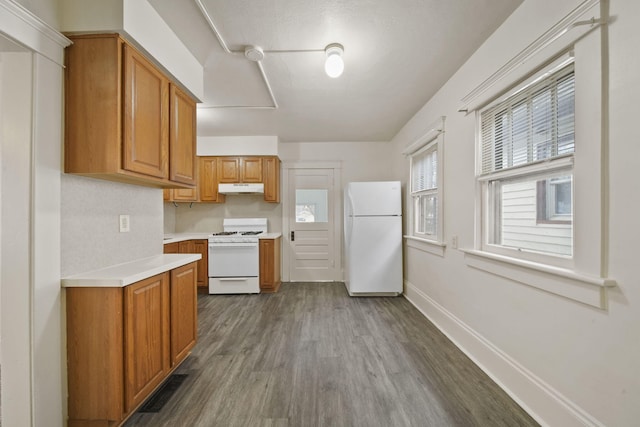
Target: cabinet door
[(94, 354), (172, 248), (271, 173), (146, 337), (184, 312), (251, 169), (182, 141), (228, 169), (202, 247), (146, 140), (269, 276), (184, 195), (186, 247), (208, 185)]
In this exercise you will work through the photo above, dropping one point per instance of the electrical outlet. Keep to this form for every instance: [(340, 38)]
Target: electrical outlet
[(125, 225), (454, 242)]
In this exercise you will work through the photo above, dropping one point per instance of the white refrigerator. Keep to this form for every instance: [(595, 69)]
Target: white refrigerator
[(373, 238)]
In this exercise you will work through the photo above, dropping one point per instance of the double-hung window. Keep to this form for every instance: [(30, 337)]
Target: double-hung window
[(424, 191), (541, 162), (527, 143)]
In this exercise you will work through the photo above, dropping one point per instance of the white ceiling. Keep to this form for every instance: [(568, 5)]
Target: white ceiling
[(397, 55)]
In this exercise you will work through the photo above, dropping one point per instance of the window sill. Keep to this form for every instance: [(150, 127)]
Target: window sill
[(586, 289), (430, 246)]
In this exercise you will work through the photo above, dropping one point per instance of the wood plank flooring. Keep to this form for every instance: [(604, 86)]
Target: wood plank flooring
[(310, 355)]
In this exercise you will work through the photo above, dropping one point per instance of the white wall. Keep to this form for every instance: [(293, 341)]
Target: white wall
[(33, 362), (15, 216), (207, 217), (361, 161), (571, 364), (91, 237), (47, 10)]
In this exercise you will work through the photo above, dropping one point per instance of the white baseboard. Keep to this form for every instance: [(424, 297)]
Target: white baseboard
[(545, 404)]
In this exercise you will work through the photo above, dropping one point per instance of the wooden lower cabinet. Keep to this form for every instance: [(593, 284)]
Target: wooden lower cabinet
[(199, 246), (184, 312), (122, 343), (202, 247), (269, 275), (146, 338)]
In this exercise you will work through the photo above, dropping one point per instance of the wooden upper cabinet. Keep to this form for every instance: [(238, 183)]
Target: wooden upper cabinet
[(119, 123), (208, 180), (228, 169), (146, 117), (182, 150), (250, 169), (271, 178), (231, 169), (239, 169), (182, 195)]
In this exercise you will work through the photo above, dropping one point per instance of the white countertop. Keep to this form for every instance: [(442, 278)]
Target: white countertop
[(120, 275), (269, 236), (180, 237)]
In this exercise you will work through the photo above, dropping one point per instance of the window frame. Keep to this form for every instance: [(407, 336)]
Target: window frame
[(416, 195), (584, 277), (490, 218), (432, 140), (585, 280)]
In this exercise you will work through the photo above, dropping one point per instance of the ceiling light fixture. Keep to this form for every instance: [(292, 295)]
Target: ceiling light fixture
[(254, 53), (334, 65)]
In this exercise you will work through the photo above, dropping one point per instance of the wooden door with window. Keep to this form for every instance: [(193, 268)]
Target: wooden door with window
[(312, 225)]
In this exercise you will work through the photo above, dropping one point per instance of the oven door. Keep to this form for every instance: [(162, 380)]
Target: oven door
[(233, 259)]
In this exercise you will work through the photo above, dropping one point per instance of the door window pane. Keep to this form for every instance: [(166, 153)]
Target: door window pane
[(312, 205)]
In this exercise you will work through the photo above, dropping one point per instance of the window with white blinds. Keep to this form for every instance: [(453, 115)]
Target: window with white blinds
[(424, 191), (527, 145), (535, 124), (425, 170)]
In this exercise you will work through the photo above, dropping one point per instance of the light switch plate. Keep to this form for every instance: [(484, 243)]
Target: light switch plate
[(125, 225)]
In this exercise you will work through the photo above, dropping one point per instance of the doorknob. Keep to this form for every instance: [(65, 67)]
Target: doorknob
[(293, 236)]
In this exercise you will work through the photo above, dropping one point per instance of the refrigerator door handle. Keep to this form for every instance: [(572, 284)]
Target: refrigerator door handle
[(348, 220)]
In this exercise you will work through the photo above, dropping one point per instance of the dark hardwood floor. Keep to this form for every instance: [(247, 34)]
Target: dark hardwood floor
[(310, 355)]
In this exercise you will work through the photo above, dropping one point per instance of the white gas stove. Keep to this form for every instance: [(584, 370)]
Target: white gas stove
[(233, 256)]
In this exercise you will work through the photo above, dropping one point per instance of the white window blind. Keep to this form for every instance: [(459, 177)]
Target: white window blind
[(535, 124), (425, 170)]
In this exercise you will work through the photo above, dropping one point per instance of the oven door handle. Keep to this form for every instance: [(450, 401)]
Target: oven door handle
[(232, 279), (232, 245)]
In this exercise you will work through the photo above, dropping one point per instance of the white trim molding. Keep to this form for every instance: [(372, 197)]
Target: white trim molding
[(30, 31), (544, 403), (583, 288), (435, 129), (582, 20), (425, 245)]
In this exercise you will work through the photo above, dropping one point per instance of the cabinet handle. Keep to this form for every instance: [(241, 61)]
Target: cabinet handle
[(293, 236)]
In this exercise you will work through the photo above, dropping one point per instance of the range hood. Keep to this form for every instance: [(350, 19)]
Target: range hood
[(241, 188)]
